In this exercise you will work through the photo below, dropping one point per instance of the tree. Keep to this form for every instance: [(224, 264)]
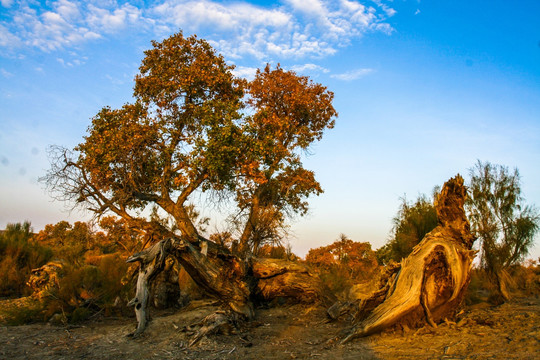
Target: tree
[(355, 258), (69, 242), (179, 135), (186, 132), (500, 219), (343, 263), (289, 113), (412, 222)]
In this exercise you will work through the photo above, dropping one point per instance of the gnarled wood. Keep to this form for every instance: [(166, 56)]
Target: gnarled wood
[(152, 261), (282, 278), (233, 282), (432, 280)]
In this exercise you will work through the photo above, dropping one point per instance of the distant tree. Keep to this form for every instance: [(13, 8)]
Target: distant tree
[(118, 236), (69, 242), (186, 132), (412, 222), (504, 225), (344, 260)]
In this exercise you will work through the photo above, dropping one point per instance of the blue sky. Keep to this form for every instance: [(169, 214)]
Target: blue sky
[(423, 90)]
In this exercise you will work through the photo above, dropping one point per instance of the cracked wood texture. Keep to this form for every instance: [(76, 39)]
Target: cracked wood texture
[(431, 282), (225, 277)]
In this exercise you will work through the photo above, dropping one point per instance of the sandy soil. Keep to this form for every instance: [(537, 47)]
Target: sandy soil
[(509, 331)]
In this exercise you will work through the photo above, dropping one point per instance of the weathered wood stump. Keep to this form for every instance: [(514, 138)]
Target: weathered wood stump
[(431, 282), (235, 283)]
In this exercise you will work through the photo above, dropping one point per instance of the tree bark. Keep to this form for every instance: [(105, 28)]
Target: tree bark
[(432, 280), (233, 282), (152, 261)]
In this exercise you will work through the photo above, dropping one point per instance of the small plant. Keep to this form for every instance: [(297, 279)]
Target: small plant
[(21, 312)]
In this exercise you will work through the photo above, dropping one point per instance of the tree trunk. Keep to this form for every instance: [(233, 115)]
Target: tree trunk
[(501, 278), (152, 261), (221, 275), (282, 278), (432, 280)]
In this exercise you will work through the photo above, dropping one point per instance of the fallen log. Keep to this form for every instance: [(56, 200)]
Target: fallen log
[(431, 281)]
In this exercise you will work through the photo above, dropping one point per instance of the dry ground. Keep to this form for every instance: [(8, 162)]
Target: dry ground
[(510, 331)]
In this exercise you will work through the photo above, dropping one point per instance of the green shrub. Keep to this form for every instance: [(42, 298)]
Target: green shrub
[(80, 314), (21, 312)]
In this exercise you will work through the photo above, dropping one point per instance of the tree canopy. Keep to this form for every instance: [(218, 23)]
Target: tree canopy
[(412, 222), (195, 126), (503, 223)]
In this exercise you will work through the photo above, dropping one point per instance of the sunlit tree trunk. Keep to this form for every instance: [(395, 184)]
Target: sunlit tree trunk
[(429, 285)]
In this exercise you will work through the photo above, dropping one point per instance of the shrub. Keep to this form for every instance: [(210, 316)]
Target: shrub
[(18, 256), (343, 263), (90, 287), (22, 313)]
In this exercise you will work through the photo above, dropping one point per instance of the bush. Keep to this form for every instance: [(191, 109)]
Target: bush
[(89, 287), (18, 256), (343, 263), (526, 278), (20, 312)]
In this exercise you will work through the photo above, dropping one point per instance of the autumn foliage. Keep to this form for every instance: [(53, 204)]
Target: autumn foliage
[(66, 269), (343, 263), (194, 126)]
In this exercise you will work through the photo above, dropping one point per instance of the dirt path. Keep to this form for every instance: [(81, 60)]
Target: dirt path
[(510, 331)]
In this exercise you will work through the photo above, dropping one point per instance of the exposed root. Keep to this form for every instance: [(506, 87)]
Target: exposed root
[(223, 322)]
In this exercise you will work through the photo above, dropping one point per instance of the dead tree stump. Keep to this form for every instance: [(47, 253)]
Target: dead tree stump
[(431, 282)]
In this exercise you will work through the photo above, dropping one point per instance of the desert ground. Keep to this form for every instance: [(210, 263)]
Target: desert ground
[(481, 331)]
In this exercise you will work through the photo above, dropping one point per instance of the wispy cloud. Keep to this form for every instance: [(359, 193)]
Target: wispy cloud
[(309, 68), (245, 72), (292, 29), (352, 75), (64, 23), (6, 3), (5, 73)]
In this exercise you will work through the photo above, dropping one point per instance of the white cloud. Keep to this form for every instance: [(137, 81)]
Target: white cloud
[(294, 29), (245, 72), (6, 3), (113, 20), (7, 39), (352, 75), (5, 73), (65, 23), (313, 7), (309, 68), (298, 28), (387, 9)]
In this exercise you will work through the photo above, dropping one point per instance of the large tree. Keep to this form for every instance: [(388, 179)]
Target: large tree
[(194, 126), (503, 223), (186, 132)]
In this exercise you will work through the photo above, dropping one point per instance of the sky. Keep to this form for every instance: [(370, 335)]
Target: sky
[(424, 89)]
